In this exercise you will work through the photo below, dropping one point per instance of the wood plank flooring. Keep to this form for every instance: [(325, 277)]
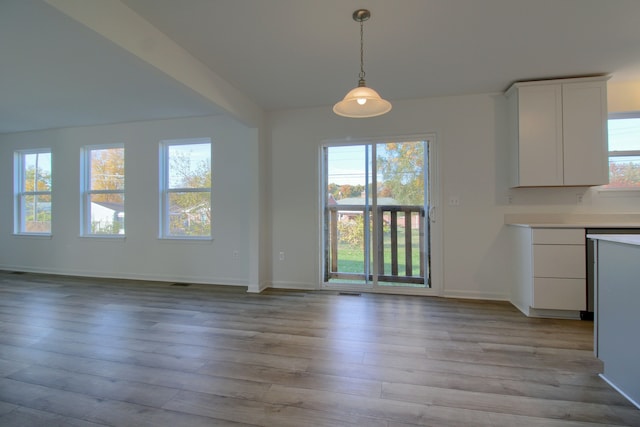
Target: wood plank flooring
[(95, 352)]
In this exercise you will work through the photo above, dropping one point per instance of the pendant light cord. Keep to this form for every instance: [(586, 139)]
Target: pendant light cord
[(362, 101), (362, 74)]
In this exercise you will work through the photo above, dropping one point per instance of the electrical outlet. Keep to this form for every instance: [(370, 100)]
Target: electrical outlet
[(281, 256), (579, 199), (509, 199), (454, 201)]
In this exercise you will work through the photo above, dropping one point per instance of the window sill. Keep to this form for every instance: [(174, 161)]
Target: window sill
[(104, 236), (34, 236), (619, 192), (186, 239)]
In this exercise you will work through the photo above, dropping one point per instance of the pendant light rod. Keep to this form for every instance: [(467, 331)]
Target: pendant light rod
[(360, 16), (362, 101)]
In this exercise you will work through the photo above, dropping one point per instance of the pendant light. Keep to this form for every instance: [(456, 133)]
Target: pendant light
[(362, 101)]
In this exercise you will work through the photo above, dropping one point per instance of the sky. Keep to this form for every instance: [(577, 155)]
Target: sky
[(347, 165), (624, 134)]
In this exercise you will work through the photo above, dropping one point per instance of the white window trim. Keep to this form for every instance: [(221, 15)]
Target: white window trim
[(86, 192), (165, 191), (433, 215), (18, 179), (622, 191)]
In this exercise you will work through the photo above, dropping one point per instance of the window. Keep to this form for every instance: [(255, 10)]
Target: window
[(103, 190), (624, 151), (186, 188), (32, 183)]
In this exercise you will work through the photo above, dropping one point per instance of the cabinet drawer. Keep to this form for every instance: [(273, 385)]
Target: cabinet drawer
[(561, 261), (558, 236), (559, 294)]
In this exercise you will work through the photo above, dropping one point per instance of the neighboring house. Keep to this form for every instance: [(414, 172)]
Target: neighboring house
[(348, 215), (107, 214), (194, 214)]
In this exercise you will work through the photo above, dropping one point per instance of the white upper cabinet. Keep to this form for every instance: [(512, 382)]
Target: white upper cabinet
[(558, 132)]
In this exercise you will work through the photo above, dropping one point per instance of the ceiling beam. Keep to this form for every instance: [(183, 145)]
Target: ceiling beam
[(124, 27)]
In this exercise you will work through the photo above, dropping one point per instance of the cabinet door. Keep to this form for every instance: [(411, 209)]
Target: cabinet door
[(540, 135), (561, 261), (584, 107), (559, 294), (558, 236)]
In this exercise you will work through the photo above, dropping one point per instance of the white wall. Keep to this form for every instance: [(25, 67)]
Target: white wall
[(141, 254), (472, 137), (466, 129), (266, 197)]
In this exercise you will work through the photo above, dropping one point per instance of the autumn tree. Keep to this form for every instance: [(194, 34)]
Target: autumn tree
[(37, 179), (107, 173), (190, 204), (345, 190), (624, 174), (401, 165)]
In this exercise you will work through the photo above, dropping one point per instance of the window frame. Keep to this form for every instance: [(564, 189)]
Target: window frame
[(20, 193), (166, 190), (86, 191), (612, 153)]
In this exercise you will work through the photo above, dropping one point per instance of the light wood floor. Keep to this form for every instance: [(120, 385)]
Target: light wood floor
[(87, 352)]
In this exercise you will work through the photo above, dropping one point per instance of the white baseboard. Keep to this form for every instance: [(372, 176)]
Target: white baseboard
[(475, 295), (554, 314), (256, 288), (293, 285), (224, 281)]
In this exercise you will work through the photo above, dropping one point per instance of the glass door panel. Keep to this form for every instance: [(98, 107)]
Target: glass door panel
[(401, 195), (375, 233), (347, 215)]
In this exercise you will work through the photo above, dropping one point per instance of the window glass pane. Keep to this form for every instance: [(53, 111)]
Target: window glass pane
[(33, 174), (624, 171), (36, 172), (107, 169), (36, 214), (189, 166), (624, 136), (400, 173), (106, 213), (190, 213)]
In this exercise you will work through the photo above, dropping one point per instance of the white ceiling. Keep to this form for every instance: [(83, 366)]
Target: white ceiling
[(56, 72)]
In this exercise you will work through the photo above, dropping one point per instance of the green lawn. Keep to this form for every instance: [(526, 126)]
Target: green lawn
[(351, 258)]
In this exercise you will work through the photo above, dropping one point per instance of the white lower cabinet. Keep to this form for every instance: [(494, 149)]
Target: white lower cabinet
[(559, 294), (551, 272)]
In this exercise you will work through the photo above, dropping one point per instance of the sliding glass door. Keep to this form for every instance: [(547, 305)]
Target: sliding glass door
[(376, 231)]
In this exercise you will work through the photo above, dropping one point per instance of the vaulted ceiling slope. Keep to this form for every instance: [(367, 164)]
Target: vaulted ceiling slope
[(84, 62)]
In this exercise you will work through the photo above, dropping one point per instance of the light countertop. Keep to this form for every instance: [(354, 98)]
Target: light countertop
[(579, 225), (558, 220)]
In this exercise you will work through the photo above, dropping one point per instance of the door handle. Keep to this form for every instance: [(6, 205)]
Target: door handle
[(432, 214)]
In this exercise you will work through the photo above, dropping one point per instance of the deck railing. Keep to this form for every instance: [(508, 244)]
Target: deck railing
[(391, 244)]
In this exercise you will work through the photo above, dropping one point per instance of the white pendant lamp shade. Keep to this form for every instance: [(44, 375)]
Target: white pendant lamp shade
[(362, 101)]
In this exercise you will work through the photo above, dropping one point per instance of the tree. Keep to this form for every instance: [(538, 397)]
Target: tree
[(37, 208), (190, 210), (401, 165), (37, 180), (107, 173), (624, 174), (345, 190)]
